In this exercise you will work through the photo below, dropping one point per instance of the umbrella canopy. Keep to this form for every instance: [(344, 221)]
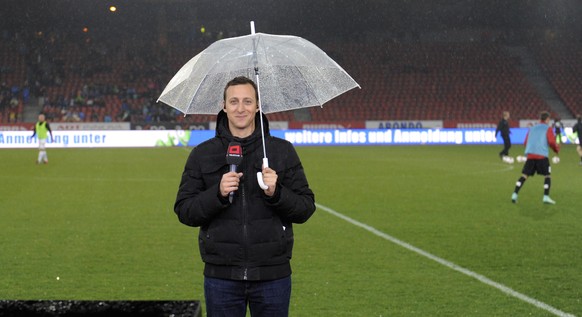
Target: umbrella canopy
[(294, 73)]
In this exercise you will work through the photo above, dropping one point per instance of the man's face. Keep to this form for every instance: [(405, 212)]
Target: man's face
[(41, 117), (240, 107)]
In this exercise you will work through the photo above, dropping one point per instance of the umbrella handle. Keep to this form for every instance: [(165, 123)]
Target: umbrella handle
[(260, 174)]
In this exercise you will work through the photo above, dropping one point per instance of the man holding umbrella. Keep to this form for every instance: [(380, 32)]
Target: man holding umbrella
[(246, 232), (246, 210)]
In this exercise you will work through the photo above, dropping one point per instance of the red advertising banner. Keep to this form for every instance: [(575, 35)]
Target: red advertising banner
[(450, 124), (327, 125), (24, 126)]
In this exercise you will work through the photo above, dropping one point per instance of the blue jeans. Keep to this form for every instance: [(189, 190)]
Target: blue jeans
[(228, 298)]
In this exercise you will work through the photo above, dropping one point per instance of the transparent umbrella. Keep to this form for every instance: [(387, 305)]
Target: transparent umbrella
[(290, 73)]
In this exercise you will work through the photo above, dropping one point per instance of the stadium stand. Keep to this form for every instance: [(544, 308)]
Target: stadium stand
[(88, 80), (432, 81), (562, 65), (14, 89)]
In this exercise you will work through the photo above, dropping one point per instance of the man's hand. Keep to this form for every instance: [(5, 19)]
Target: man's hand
[(270, 179), (229, 183)]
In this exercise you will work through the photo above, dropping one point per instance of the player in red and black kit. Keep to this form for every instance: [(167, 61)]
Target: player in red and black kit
[(538, 141)]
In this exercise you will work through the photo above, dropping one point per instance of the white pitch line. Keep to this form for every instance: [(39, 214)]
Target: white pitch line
[(451, 265)]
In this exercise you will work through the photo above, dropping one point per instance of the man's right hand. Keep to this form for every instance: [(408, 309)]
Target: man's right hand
[(229, 183)]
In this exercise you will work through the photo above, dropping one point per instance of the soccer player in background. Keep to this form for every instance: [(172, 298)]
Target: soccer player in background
[(558, 128), (503, 128), (538, 141), (577, 129), (42, 129)]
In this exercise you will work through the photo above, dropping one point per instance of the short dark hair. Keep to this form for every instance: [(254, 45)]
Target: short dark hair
[(241, 80), (544, 115)]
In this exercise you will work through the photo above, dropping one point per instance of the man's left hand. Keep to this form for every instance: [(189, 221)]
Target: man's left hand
[(270, 179)]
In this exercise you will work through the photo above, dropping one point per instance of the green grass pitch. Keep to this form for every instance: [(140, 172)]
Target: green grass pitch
[(98, 224)]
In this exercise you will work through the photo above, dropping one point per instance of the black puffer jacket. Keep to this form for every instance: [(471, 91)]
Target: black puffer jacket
[(252, 238)]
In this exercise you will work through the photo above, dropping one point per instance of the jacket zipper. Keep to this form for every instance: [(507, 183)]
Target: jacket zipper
[(245, 232)]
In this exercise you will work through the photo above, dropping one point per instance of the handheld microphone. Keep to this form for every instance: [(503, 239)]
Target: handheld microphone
[(233, 158)]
